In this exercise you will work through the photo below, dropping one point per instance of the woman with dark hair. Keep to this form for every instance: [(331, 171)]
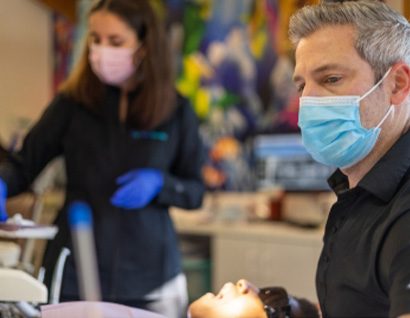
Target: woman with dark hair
[(132, 149)]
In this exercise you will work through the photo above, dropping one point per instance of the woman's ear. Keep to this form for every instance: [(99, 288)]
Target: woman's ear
[(141, 52), (139, 55), (401, 84)]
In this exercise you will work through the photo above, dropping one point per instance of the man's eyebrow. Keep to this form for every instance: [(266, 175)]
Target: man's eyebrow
[(321, 69), (329, 67)]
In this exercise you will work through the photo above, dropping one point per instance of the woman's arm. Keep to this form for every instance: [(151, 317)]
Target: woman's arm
[(42, 143), (183, 186)]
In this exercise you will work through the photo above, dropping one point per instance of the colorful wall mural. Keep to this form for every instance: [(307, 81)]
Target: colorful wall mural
[(234, 63), (63, 38)]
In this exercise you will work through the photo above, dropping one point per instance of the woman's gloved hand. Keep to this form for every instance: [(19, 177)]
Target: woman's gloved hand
[(137, 188), (3, 196)]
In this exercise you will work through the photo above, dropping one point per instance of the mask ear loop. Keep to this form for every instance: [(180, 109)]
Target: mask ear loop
[(376, 85), (391, 110)]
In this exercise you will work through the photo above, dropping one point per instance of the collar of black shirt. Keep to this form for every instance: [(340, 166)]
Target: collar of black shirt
[(385, 177)]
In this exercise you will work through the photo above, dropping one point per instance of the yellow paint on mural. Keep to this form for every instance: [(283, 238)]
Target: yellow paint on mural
[(258, 44), (258, 35), (286, 9), (189, 84), (202, 103), (205, 8), (406, 9)]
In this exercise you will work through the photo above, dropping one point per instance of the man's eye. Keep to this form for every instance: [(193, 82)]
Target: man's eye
[(300, 87), (332, 79)]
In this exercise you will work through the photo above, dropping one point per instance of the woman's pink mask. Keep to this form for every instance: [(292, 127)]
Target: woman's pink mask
[(112, 65)]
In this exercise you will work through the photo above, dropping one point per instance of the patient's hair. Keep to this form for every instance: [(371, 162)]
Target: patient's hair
[(282, 304), (307, 309)]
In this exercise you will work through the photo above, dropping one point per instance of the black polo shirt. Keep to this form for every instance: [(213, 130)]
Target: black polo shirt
[(364, 268)]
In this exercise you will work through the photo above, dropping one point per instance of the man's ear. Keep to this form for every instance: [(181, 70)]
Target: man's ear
[(401, 85)]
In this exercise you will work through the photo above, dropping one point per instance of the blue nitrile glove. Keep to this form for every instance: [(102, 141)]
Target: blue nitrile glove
[(137, 188), (3, 198)]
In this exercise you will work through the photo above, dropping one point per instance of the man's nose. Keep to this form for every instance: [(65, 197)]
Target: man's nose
[(311, 89)]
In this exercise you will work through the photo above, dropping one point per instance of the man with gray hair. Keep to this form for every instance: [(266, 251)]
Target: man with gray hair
[(352, 71)]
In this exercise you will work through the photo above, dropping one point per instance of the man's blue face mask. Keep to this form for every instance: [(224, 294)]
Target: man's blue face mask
[(332, 131)]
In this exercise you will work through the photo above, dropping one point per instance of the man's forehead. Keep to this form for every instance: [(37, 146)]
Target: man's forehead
[(330, 47), (331, 38)]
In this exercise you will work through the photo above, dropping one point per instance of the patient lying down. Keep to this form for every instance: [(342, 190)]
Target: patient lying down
[(244, 300)]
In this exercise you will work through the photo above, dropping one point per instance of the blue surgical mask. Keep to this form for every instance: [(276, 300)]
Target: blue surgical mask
[(332, 131)]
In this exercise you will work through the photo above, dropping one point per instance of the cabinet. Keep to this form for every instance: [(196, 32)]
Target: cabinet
[(283, 260), (265, 253)]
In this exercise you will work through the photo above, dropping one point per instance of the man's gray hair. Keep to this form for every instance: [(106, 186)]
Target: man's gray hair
[(383, 35)]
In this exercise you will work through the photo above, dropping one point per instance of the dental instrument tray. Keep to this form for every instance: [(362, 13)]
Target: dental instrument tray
[(17, 227)]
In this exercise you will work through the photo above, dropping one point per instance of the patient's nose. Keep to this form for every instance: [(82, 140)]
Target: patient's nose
[(245, 286)]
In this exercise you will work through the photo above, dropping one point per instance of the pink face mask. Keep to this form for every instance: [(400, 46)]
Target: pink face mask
[(112, 65)]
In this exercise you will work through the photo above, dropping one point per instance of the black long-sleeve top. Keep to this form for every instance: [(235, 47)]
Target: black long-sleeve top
[(136, 249)]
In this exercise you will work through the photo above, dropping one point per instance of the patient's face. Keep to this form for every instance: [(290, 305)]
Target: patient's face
[(233, 301)]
